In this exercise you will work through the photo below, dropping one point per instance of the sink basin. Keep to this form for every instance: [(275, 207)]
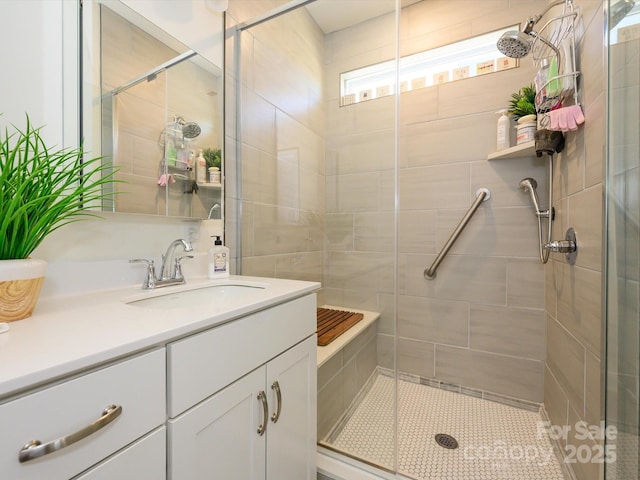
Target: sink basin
[(213, 294)]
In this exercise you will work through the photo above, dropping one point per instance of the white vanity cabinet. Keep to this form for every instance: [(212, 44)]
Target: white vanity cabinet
[(82, 421), (242, 398)]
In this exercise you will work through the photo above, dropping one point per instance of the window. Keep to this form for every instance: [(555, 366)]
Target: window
[(467, 58)]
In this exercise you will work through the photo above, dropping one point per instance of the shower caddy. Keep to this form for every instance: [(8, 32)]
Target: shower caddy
[(556, 39), (556, 35)]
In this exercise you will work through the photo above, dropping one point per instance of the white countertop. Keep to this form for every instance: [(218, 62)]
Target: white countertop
[(71, 334)]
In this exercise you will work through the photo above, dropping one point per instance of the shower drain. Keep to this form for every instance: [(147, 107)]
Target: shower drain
[(446, 441)]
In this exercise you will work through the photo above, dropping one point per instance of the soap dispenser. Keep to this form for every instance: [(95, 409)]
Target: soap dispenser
[(218, 260), (503, 134)]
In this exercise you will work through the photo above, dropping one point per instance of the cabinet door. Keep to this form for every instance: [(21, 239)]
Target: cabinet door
[(218, 439), (144, 459), (291, 439)]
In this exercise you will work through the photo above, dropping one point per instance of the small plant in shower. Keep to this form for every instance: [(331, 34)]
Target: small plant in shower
[(522, 102), (213, 157)]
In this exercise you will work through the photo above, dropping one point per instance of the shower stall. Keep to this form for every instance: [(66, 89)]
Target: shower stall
[(346, 165)]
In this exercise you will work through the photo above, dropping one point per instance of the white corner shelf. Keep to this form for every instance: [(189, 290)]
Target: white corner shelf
[(523, 150)]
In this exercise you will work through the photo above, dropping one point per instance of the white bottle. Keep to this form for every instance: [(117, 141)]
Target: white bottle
[(201, 168), (503, 137), (218, 260)]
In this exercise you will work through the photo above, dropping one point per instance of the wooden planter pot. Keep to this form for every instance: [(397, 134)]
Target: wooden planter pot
[(20, 283)]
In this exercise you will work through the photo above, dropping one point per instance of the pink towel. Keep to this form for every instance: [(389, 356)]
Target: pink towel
[(566, 119)]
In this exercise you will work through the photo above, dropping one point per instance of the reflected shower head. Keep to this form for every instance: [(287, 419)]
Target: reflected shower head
[(191, 130), (529, 185), (514, 44)]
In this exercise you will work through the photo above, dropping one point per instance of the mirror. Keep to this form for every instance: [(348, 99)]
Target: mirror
[(153, 104)]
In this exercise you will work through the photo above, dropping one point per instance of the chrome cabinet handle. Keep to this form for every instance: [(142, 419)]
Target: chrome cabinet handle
[(265, 409), (35, 448), (276, 386)]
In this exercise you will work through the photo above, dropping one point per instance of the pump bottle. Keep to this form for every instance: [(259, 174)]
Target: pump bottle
[(503, 135), (218, 260)]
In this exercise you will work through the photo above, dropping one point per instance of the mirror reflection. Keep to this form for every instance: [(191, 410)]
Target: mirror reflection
[(160, 116)]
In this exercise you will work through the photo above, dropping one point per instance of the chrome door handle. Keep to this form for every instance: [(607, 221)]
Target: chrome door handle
[(276, 386), (36, 449), (265, 410)]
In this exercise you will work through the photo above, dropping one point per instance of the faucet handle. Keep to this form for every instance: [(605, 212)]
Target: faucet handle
[(150, 279), (178, 275)]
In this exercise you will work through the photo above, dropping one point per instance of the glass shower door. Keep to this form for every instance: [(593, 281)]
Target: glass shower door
[(312, 191), (623, 244)]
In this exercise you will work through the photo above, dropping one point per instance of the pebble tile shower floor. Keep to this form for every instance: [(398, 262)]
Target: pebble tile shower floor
[(495, 441)]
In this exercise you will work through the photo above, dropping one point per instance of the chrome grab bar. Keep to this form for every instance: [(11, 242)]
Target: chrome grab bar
[(482, 195)]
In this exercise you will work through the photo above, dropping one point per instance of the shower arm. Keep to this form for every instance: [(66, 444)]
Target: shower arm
[(531, 22)]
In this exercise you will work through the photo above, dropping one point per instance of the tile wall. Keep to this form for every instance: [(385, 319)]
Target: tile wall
[(480, 323), (279, 192)]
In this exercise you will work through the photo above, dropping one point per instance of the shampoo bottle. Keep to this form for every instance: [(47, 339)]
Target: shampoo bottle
[(503, 137), (218, 260)]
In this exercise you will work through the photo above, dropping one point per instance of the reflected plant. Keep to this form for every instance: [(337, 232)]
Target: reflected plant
[(213, 157)]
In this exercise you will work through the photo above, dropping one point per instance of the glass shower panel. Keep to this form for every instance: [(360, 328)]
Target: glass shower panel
[(623, 244), (470, 342), (356, 386), (314, 192)]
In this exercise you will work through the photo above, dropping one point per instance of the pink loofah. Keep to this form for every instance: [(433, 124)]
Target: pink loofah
[(566, 119), (165, 179)]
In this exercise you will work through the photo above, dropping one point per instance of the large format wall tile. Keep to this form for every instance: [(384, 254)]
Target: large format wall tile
[(515, 377), (511, 331), (566, 360), (433, 320)]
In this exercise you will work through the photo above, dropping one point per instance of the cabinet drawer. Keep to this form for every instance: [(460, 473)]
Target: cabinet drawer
[(202, 364), (137, 385), (146, 458)]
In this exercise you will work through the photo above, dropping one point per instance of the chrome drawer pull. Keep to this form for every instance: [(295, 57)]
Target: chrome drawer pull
[(265, 409), (35, 448), (276, 386)]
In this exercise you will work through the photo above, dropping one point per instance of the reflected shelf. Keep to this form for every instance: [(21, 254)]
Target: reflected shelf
[(210, 185)]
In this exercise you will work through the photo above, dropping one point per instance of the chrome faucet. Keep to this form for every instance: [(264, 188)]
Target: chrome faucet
[(171, 271), (168, 271)]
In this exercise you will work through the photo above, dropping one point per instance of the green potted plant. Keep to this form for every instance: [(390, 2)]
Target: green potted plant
[(523, 102), (213, 157), (522, 107), (41, 190)]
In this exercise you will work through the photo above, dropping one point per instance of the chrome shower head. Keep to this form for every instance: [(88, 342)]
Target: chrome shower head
[(529, 185), (514, 44), (517, 44), (619, 10)]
